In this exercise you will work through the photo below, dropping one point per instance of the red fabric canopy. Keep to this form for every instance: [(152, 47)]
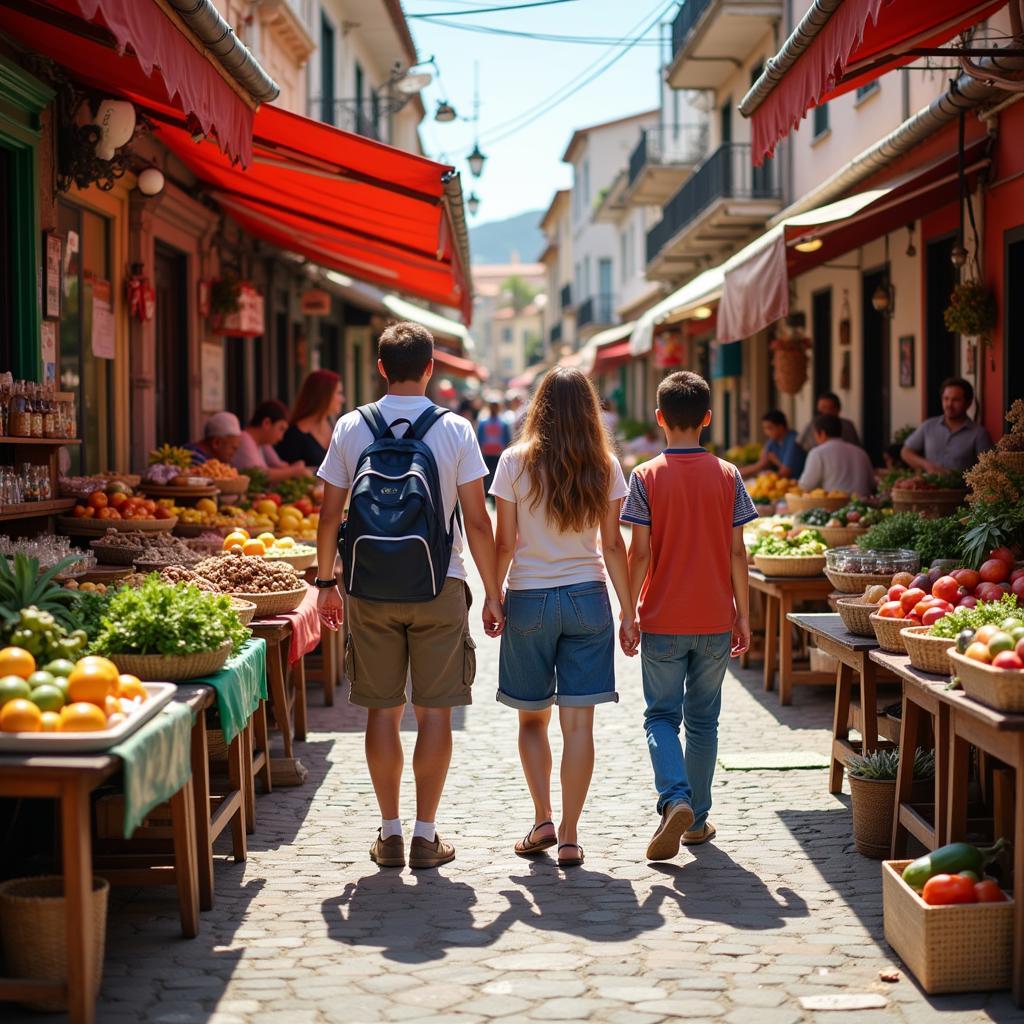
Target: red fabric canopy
[(860, 41), (136, 39), (457, 366), (610, 357)]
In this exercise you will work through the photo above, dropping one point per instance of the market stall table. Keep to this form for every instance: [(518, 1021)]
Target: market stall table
[(1000, 735), (830, 635), (781, 593)]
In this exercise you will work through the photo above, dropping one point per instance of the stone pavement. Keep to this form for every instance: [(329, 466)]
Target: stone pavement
[(309, 930)]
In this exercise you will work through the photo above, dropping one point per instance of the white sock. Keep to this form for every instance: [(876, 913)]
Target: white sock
[(390, 827), (424, 830)]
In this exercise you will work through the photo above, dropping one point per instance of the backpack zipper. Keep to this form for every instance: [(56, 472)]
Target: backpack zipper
[(402, 476)]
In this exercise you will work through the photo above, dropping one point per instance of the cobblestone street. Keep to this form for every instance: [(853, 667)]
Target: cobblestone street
[(780, 908)]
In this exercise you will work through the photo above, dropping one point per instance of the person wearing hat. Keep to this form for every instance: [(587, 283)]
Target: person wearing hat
[(222, 435)]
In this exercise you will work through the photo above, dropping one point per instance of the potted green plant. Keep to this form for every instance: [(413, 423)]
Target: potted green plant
[(971, 311), (873, 794)]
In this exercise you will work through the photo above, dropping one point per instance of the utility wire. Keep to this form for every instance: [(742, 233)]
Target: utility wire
[(491, 10), (541, 37)]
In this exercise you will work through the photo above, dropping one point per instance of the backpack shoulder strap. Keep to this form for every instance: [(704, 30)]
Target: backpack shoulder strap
[(423, 424), (374, 419)]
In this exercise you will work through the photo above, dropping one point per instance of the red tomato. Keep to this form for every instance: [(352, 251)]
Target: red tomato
[(1009, 660), (946, 588), (988, 591), (1004, 554), (995, 570), (967, 602), (891, 610), (1020, 649), (967, 578), (933, 615), (943, 890), (988, 892), (896, 591), (910, 598)]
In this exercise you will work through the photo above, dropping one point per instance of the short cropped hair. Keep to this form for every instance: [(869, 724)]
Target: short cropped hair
[(684, 399), (964, 385), (830, 426), (832, 397), (776, 416), (405, 350), (271, 409)]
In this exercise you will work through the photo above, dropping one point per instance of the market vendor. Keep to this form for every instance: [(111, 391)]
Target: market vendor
[(828, 404), (781, 453), (837, 465), (952, 441), (222, 434), (256, 448)]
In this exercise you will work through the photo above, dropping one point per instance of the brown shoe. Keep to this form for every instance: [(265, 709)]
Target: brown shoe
[(388, 853), (704, 834), (423, 854), (675, 820)]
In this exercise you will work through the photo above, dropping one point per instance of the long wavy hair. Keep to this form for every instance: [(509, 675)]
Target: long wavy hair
[(566, 454), (315, 396)]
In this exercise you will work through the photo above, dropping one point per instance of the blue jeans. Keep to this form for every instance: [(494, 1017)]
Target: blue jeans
[(683, 686)]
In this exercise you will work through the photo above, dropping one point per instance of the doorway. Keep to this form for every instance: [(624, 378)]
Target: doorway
[(1013, 326), (876, 384), (941, 348), (821, 329), (173, 422)]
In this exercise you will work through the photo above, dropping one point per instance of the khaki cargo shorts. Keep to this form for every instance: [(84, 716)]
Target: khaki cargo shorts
[(431, 638)]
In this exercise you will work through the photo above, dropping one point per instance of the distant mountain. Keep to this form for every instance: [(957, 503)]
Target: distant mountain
[(497, 241)]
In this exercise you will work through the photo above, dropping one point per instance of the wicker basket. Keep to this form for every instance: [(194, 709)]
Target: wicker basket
[(856, 615), (790, 565), (115, 554), (999, 688), (789, 370), (245, 610), (275, 603), (960, 948), (928, 653), (930, 504), (172, 667), (857, 582), (301, 561), (797, 503), (33, 934), (234, 486), (838, 536), (887, 631), (873, 803)]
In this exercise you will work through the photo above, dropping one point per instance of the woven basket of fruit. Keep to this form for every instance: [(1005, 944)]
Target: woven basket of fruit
[(840, 536), (856, 615), (928, 653), (797, 503), (790, 565), (887, 632), (999, 688), (172, 667), (856, 582), (932, 504), (245, 610), (233, 485)]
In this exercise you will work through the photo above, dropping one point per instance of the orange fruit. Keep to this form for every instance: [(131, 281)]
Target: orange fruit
[(93, 680), (82, 717), (112, 706), (254, 547), (97, 500), (20, 715), (16, 661), (233, 538), (130, 687), (49, 722)]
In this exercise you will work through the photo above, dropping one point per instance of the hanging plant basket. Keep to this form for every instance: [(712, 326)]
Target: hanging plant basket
[(971, 311), (789, 366)]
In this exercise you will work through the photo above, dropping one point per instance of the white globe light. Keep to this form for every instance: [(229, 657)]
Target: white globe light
[(116, 121), (151, 181)]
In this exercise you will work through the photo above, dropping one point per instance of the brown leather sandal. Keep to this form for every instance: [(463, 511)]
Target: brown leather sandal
[(570, 862), (530, 847)]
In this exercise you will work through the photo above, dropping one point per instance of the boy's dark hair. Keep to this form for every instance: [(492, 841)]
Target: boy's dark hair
[(405, 349), (776, 416), (684, 399), (964, 385), (830, 426), (271, 409), (832, 397)]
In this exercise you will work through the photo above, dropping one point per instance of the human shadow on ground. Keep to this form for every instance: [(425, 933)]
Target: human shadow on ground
[(713, 887)]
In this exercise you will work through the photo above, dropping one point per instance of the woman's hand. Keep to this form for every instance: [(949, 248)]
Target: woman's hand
[(493, 617), (629, 636)]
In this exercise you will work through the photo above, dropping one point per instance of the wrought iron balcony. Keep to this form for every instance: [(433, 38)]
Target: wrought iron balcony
[(365, 118), (566, 296), (669, 144), (598, 309), (688, 16)]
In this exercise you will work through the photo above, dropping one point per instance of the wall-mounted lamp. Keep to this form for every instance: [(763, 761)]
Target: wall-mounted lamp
[(911, 248), (473, 203), (150, 181), (116, 122), (476, 161), (445, 112), (812, 244), (958, 255), (703, 313)]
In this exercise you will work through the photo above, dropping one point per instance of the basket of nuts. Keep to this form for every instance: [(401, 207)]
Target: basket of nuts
[(273, 587)]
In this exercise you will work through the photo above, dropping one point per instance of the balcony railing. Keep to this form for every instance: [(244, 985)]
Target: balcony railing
[(688, 16), (669, 144), (566, 296), (555, 335), (362, 118), (598, 309), (726, 174)]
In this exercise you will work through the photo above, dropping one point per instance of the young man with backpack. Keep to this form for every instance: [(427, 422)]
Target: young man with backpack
[(405, 467)]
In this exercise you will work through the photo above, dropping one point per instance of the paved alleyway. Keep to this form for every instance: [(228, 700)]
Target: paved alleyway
[(310, 931)]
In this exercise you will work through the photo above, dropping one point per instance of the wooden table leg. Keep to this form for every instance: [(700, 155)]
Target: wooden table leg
[(941, 726), (785, 650), (183, 813), (869, 706), (840, 726), (261, 743), (237, 771), (76, 842), (329, 660), (959, 767), (1018, 878), (910, 724), (298, 673), (201, 801), (279, 693), (248, 781), (771, 635)]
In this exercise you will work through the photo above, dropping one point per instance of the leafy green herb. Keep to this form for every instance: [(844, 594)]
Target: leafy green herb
[(164, 618), (930, 538), (807, 543), (883, 764), (89, 610), (992, 523), (987, 613)]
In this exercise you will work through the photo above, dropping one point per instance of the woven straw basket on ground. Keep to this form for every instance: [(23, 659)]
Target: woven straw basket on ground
[(873, 803)]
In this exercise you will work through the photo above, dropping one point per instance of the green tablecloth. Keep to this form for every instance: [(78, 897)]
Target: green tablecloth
[(240, 685), (157, 763)]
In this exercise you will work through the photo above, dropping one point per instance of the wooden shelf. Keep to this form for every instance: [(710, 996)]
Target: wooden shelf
[(58, 441), (36, 509)]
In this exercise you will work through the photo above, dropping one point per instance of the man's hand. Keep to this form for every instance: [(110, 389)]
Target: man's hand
[(493, 617), (629, 636), (740, 637), (330, 607)]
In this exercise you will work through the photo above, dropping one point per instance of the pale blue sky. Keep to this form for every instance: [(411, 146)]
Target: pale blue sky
[(517, 74)]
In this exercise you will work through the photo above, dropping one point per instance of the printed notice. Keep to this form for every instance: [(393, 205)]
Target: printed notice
[(102, 320)]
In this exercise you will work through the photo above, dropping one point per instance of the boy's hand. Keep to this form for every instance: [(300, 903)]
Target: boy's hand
[(629, 637), (494, 617), (330, 607), (740, 637)]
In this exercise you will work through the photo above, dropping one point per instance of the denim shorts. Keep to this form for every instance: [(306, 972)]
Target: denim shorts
[(558, 648)]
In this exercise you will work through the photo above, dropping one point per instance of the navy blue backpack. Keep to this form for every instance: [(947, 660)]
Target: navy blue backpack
[(396, 544)]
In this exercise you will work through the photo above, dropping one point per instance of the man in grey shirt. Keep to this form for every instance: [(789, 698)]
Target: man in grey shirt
[(952, 441), (835, 464), (828, 404)]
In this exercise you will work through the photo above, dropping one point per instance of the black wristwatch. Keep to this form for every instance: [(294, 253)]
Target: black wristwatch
[(325, 584)]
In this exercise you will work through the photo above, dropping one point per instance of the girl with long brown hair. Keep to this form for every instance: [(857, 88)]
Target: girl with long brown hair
[(317, 405), (559, 489)]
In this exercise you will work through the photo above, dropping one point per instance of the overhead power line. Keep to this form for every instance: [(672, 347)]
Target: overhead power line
[(491, 10), (541, 37)]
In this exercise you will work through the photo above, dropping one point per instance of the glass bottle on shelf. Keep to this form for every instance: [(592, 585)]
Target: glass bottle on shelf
[(49, 413), (17, 416), (37, 411), (5, 405)]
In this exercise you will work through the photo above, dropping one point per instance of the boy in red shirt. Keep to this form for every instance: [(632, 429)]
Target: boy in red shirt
[(688, 571)]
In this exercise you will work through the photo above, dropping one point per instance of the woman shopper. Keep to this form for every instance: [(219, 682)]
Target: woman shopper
[(317, 406), (559, 488)]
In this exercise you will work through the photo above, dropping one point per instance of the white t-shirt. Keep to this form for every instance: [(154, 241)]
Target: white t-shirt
[(838, 465), (451, 439), (544, 556)]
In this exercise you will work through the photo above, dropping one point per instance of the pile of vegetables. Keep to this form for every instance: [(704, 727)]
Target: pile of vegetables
[(931, 538), (857, 513), (951, 481), (954, 874), (807, 543), (36, 612)]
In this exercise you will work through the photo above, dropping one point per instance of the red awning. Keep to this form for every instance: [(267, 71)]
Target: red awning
[(131, 48), (457, 366), (861, 40), (611, 357)]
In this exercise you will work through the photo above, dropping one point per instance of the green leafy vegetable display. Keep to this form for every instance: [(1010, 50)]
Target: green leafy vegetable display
[(807, 543), (987, 613), (24, 584), (163, 618), (89, 610), (931, 538)]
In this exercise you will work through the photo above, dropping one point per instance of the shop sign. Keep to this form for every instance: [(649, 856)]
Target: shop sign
[(668, 349), (102, 320), (726, 360), (48, 351), (212, 359), (247, 320), (316, 302)]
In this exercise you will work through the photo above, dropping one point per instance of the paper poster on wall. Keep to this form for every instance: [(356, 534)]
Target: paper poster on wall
[(212, 357), (48, 351), (102, 320)]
